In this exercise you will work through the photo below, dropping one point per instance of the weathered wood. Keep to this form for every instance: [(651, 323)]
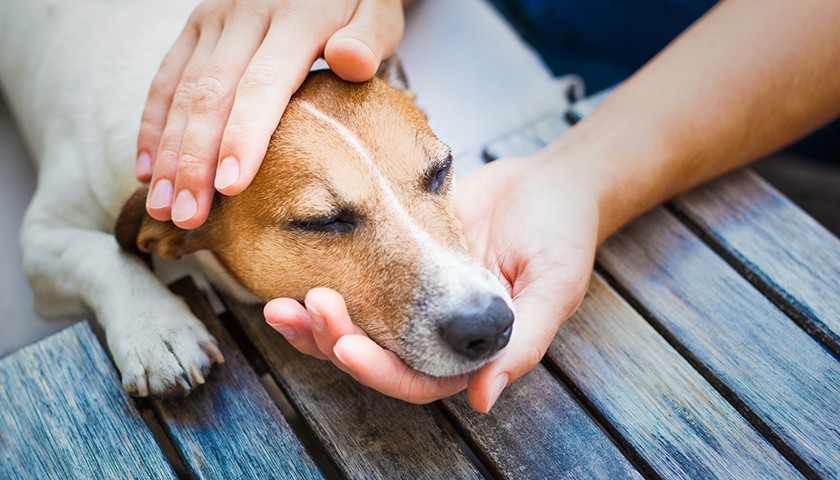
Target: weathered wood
[(367, 434), (787, 254), (537, 430), (230, 427), (652, 398), (785, 382), (64, 414)]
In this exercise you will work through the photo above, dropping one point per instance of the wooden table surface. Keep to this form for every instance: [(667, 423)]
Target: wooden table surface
[(707, 347)]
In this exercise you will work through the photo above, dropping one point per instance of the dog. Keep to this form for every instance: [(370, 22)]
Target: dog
[(355, 194)]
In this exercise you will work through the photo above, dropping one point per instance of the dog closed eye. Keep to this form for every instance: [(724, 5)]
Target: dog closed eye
[(436, 176), (343, 221)]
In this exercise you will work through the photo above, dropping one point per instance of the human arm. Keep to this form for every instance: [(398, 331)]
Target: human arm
[(223, 86), (745, 80)]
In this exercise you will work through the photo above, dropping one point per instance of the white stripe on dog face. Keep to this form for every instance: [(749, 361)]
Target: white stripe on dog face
[(356, 144), (454, 273)]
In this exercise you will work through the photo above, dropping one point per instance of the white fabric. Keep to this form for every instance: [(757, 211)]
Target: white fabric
[(473, 76)]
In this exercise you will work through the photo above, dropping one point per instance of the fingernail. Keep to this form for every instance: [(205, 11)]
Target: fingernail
[(184, 207), (317, 319), (286, 330), (338, 356), (161, 196), (228, 173), (143, 168), (496, 388)]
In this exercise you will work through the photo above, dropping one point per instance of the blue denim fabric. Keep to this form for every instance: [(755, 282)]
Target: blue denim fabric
[(605, 41)]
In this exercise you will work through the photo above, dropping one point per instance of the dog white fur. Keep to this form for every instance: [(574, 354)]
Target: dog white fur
[(76, 74)]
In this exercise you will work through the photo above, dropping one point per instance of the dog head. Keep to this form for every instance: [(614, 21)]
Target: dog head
[(354, 194)]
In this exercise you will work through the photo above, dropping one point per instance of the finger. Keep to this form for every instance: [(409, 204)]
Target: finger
[(212, 99), (329, 318), (385, 372), (160, 98), (277, 69), (289, 318), (538, 316), (355, 51), (161, 193)]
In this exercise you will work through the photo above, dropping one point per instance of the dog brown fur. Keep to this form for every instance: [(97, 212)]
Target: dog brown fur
[(310, 173)]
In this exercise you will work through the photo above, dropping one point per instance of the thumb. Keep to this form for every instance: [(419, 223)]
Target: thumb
[(355, 51), (538, 316)]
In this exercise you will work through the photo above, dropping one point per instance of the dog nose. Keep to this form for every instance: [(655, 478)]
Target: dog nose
[(480, 329)]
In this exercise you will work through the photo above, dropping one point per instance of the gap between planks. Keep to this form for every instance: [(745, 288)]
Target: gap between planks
[(788, 305), (147, 412), (479, 461), (587, 405), (301, 429), (728, 394), (296, 418), (152, 417)]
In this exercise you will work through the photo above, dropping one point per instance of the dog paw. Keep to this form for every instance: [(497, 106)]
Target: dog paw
[(164, 358)]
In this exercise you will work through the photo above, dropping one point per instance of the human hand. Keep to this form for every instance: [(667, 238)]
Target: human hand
[(223, 86), (322, 328), (534, 222), (530, 221)]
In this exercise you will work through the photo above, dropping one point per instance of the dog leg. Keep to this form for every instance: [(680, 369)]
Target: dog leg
[(159, 346)]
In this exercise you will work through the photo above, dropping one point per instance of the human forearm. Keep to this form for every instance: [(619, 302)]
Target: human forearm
[(745, 80)]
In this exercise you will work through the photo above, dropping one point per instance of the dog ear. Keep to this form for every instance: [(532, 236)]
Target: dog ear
[(140, 234), (391, 71)]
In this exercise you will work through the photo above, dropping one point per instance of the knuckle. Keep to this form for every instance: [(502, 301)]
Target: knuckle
[(191, 166), (165, 161), (189, 160), (532, 357), (209, 95), (236, 132), (167, 152), (261, 74), (576, 293), (182, 97)]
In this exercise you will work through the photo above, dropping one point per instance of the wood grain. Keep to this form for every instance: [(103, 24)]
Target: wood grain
[(65, 415), (366, 434), (777, 246), (230, 427), (675, 421), (537, 430), (780, 378)]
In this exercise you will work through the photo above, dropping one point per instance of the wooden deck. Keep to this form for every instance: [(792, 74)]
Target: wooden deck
[(707, 347)]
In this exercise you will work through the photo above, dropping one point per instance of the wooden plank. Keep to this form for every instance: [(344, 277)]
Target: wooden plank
[(230, 427), (786, 384), (367, 434), (787, 254), (537, 430), (65, 415), (651, 397)]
